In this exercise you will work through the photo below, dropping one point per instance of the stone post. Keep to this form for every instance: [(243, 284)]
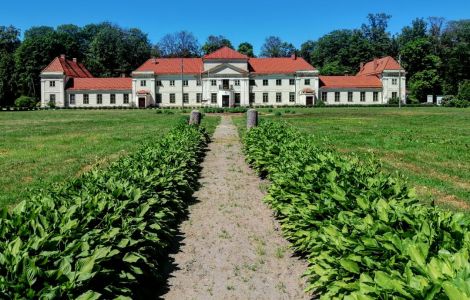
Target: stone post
[(252, 118), (195, 118)]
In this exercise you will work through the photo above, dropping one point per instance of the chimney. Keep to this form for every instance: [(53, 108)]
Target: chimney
[(75, 60), (293, 56), (361, 65), (62, 56)]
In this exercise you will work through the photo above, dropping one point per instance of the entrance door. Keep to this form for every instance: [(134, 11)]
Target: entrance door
[(141, 102), (309, 100), (225, 101)]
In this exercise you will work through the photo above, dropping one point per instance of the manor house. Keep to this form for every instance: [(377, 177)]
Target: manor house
[(224, 78)]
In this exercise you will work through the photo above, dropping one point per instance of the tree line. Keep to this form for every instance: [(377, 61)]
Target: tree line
[(434, 52)]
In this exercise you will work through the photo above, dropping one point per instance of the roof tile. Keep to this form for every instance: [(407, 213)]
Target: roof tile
[(377, 66), (225, 53), (350, 82), (119, 83)]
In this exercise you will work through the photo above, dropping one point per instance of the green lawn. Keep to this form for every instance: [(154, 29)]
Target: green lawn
[(430, 146), (39, 148)]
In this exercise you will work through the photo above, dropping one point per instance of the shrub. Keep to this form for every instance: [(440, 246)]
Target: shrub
[(364, 232), (464, 90), (278, 114), (25, 101), (106, 233), (394, 101)]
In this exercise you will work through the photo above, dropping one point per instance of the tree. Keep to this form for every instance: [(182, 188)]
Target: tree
[(464, 90), (417, 56), (342, 50), (424, 83), (9, 42), (179, 44), (455, 54), (417, 30), (247, 49), (306, 50), (275, 47), (334, 68), (376, 33), (215, 42)]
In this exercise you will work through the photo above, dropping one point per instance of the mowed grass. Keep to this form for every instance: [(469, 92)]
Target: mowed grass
[(430, 146), (40, 148)]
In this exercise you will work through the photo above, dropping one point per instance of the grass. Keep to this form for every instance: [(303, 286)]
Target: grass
[(430, 146), (40, 148)]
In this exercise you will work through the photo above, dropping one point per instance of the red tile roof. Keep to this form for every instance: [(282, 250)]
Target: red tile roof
[(350, 82), (377, 66), (112, 84), (225, 53), (69, 68), (281, 65), (172, 66)]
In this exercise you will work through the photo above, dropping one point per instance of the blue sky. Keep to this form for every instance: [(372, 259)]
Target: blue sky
[(239, 20)]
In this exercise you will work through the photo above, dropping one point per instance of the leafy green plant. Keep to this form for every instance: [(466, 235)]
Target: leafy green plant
[(25, 101), (105, 234), (363, 232)]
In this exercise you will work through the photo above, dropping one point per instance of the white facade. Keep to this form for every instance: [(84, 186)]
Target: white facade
[(219, 82)]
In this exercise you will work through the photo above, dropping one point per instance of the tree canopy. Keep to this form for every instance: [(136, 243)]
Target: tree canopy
[(215, 42)]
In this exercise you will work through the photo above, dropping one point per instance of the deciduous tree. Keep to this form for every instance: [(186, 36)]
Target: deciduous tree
[(215, 42), (246, 48), (179, 44)]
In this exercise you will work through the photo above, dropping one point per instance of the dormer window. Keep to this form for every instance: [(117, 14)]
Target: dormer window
[(52, 83)]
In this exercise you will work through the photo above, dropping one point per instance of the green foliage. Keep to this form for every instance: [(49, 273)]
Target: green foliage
[(238, 109), (215, 42), (424, 83), (246, 48), (464, 90), (106, 233), (25, 101), (363, 231)]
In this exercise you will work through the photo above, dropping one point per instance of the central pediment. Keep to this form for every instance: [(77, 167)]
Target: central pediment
[(226, 69)]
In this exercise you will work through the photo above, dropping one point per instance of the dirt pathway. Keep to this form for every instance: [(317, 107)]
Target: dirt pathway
[(232, 246)]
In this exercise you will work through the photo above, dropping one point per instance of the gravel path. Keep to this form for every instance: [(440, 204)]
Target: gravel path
[(232, 246)]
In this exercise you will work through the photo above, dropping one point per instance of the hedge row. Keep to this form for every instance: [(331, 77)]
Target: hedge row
[(363, 231), (106, 233)]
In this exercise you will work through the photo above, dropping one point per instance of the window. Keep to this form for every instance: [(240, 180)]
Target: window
[(291, 81), (324, 96), (172, 98), (172, 83), (185, 83), (394, 81), (158, 98), (363, 96), (112, 99), (198, 97), (237, 82), (376, 96), (252, 82), (278, 97), (72, 99), (265, 97), (252, 97), (213, 82), (214, 98), (394, 95), (99, 99), (237, 98), (52, 98), (265, 82), (278, 82), (126, 98), (52, 83), (307, 81), (350, 96), (185, 98), (291, 97), (86, 99), (143, 83), (159, 83), (198, 82), (337, 95)]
